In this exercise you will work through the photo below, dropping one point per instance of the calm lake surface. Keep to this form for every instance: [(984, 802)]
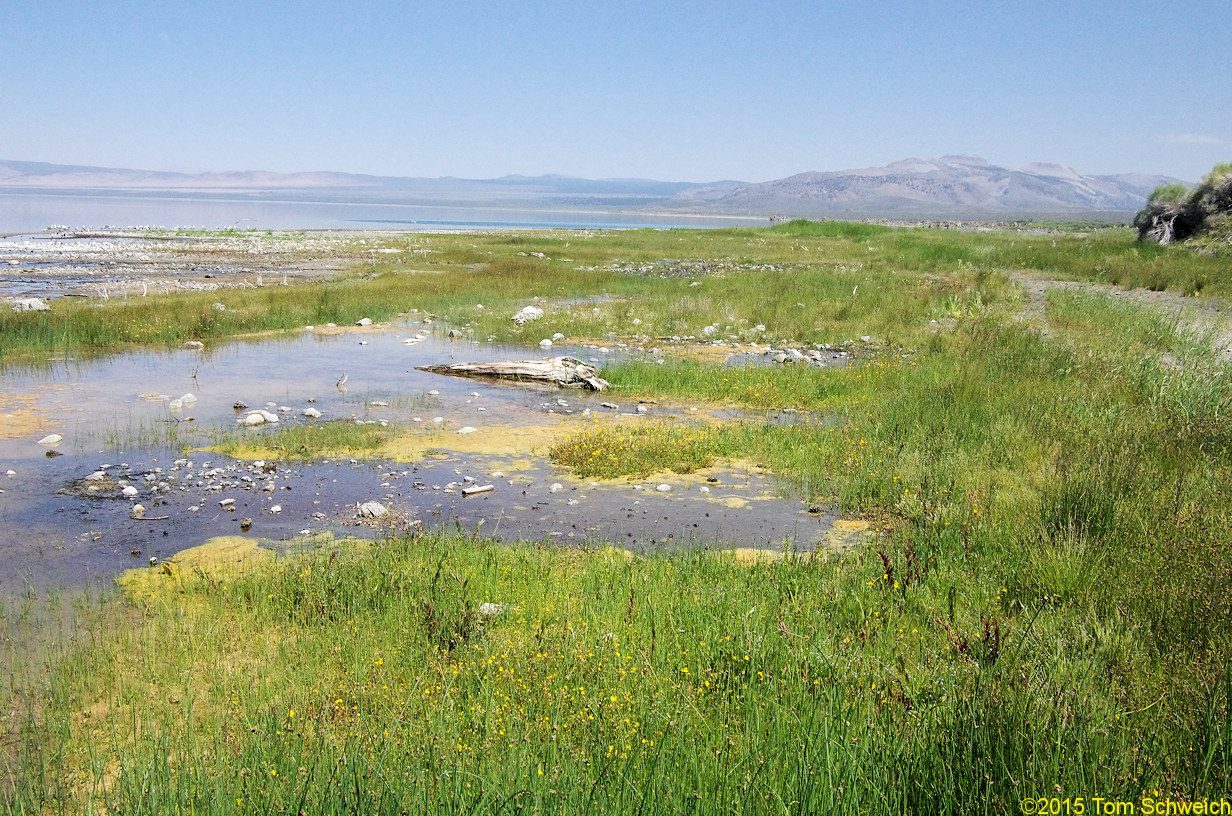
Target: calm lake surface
[(24, 211)]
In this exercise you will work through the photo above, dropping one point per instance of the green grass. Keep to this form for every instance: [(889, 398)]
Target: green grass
[(371, 680), (311, 441), (1042, 611), (852, 279)]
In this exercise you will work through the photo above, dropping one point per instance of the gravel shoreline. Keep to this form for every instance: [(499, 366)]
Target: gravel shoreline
[(116, 263)]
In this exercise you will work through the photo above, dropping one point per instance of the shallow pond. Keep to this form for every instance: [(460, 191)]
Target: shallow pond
[(65, 521)]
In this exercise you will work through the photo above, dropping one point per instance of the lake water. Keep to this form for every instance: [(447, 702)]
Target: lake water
[(23, 211)]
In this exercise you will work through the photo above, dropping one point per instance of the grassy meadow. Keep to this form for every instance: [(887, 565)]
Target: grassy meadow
[(1044, 612)]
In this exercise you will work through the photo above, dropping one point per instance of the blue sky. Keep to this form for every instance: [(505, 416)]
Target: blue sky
[(665, 90)]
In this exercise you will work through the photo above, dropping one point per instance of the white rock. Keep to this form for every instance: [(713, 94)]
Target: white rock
[(491, 610), (438, 420), (311, 413), (51, 439), (175, 405), (664, 488), (641, 409), (761, 327), (556, 487), (373, 509), (192, 345), (277, 508), (129, 491), (253, 419), (545, 343), (637, 321), (467, 429), (188, 399), (29, 305), (138, 511), (226, 502), (364, 321), (704, 489), (558, 336), (96, 476), (527, 314), (269, 416)]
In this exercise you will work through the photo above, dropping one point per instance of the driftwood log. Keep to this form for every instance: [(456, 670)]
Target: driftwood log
[(563, 371)]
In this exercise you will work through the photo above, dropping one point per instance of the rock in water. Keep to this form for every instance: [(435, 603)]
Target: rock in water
[(51, 439), (564, 371), (192, 345), (138, 511), (373, 509)]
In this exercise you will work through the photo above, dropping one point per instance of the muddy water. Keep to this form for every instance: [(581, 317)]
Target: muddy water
[(59, 527)]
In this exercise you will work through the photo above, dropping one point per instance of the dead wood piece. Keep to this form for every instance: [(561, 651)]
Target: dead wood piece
[(563, 371)]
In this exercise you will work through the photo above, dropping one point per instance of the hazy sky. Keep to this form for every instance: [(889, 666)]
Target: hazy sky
[(658, 89)]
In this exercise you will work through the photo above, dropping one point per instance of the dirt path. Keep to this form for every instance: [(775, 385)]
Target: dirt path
[(1208, 316)]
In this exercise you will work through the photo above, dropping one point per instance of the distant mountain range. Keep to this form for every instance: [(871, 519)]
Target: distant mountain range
[(948, 187)]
